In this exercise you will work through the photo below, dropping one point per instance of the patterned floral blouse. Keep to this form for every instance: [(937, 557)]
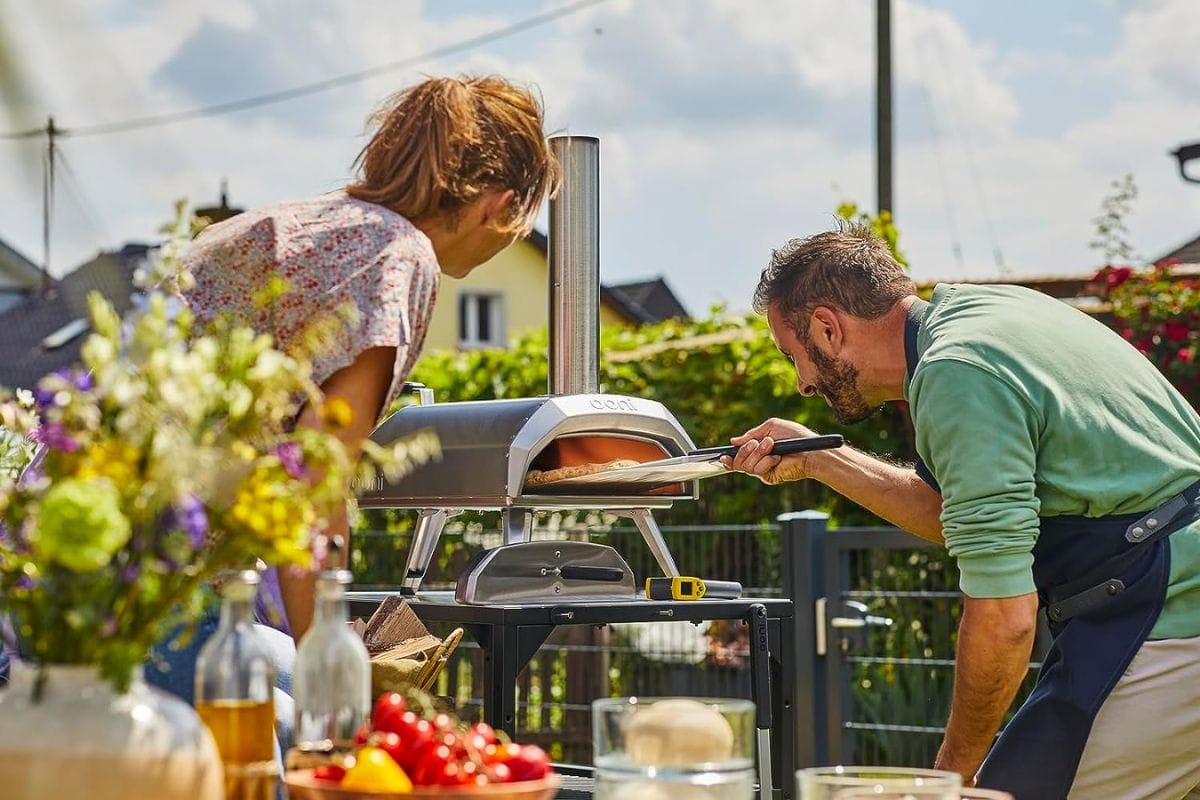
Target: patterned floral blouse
[(331, 251)]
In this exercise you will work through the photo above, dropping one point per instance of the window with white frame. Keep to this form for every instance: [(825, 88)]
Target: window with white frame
[(480, 319)]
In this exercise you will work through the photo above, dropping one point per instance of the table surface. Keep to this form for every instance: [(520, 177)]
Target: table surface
[(441, 606)]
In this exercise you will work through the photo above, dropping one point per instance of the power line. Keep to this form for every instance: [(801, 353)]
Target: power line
[(965, 140), (283, 95), (935, 134), (88, 209)]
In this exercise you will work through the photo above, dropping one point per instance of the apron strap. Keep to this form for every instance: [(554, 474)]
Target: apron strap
[(1095, 588)]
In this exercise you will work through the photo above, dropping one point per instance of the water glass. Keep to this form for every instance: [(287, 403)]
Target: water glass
[(827, 783), (671, 748), (920, 793)]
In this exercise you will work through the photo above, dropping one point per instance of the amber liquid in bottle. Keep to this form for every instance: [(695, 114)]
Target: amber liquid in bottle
[(235, 690), (243, 730)]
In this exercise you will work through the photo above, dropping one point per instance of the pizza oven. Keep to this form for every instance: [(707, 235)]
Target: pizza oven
[(490, 448)]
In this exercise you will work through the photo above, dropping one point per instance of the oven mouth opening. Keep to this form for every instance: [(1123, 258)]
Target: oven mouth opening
[(595, 452)]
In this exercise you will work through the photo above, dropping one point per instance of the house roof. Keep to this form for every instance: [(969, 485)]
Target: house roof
[(17, 271), (645, 301), (1188, 252), (25, 353), (639, 302)]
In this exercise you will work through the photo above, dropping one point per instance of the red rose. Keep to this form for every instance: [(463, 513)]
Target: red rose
[(1176, 331)]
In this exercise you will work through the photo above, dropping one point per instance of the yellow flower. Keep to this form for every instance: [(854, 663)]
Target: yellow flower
[(115, 460), (336, 412)]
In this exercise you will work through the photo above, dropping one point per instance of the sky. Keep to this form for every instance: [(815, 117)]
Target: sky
[(727, 127)]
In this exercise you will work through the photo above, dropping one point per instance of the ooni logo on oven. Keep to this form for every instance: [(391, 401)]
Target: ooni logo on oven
[(613, 404)]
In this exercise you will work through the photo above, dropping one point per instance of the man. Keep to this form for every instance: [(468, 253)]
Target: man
[(1060, 469)]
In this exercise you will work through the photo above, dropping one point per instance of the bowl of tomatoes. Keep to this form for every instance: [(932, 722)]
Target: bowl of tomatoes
[(410, 751)]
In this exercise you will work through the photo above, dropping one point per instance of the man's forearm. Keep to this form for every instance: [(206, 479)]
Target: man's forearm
[(894, 493), (995, 639)]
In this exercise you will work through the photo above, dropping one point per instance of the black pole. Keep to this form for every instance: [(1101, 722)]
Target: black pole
[(47, 203), (883, 105)]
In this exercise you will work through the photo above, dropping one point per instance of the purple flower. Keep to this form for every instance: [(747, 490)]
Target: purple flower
[(43, 397), (83, 380), (191, 517), (130, 572), (291, 455), (25, 582), (55, 437)]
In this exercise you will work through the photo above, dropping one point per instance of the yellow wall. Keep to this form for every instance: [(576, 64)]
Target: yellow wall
[(519, 273)]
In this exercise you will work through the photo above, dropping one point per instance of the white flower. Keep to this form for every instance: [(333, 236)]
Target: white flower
[(24, 398)]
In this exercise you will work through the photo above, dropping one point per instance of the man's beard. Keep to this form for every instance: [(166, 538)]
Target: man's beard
[(837, 382)]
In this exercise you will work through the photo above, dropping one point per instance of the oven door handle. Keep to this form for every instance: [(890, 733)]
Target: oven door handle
[(582, 572)]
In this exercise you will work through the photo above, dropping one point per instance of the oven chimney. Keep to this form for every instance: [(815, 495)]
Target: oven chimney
[(575, 268)]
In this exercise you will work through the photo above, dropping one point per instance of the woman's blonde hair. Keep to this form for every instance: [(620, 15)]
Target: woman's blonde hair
[(442, 143)]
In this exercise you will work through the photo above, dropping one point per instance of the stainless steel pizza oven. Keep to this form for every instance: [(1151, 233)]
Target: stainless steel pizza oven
[(490, 447)]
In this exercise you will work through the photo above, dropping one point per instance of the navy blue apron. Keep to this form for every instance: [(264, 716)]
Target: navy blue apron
[(1101, 582)]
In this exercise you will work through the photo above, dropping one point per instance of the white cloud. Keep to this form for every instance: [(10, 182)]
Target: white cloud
[(728, 126)]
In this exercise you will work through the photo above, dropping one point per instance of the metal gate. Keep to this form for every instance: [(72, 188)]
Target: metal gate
[(877, 611)]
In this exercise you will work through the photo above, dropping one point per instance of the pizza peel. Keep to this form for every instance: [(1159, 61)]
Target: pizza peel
[(696, 465)]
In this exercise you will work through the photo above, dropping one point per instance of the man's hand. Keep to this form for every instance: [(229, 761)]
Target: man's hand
[(995, 639), (754, 457)]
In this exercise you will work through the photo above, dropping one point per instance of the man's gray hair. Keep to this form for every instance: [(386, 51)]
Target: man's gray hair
[(849, 268)]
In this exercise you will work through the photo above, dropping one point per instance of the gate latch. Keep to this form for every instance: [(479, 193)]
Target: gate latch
[(851, 626)]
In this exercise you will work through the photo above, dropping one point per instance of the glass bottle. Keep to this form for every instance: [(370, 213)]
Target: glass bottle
[(332, 684), (235, 691)]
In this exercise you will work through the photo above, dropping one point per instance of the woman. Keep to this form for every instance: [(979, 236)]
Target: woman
[(456, 170)]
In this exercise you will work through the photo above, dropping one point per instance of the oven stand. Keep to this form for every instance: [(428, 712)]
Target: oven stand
[(430, 522), (518, 527), (654, 539)]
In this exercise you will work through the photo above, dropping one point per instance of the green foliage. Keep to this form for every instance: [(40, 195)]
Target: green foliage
[(719, 375), (881, 225), (1154, 309), (1112, 234), (1159, 313)]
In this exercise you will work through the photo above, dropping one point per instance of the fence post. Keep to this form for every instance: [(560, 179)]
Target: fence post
[(803, 554)]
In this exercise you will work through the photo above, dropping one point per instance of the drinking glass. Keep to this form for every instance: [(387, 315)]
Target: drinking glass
[(673, 748), (825, 783), (920, 793)]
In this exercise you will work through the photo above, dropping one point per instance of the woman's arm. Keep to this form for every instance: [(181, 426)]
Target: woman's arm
[(363, 385)]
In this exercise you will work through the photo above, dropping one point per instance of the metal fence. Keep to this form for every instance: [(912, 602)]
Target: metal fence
[(868, 693)]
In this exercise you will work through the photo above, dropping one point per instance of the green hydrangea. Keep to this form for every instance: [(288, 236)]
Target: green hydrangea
[(80, 525)]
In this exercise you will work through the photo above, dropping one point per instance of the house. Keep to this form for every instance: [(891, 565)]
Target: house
[(510, 294), (19, 277), (1084, 291), (1186, 253), (44, 330)]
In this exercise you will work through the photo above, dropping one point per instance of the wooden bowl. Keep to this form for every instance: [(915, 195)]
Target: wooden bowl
[(302, 786)]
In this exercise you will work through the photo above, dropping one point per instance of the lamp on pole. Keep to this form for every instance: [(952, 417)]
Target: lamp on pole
[(1184, 155)]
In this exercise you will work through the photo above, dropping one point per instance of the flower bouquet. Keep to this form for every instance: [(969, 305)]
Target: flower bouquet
[(167, 458)]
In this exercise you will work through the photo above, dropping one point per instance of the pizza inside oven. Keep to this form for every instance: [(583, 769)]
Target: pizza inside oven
[(540, 477)]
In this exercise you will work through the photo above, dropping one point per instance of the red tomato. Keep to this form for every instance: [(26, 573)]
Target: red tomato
[(530, 764), (499, 773), (435, 766), (329, 772), (389, 709), (472, 774), (479, 737)]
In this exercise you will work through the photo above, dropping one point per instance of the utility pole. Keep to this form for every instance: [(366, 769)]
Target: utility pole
[(883, 105), (47, 203)]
